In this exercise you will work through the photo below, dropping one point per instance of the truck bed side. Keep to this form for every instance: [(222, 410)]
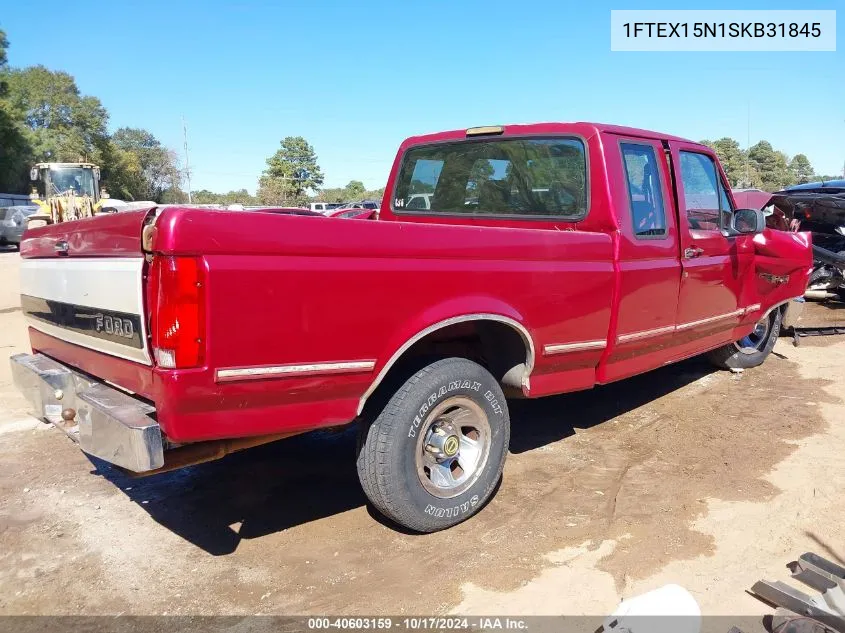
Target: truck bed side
[(326, 304)]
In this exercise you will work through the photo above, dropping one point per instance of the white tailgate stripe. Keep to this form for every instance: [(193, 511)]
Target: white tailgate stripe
[(108, 283)]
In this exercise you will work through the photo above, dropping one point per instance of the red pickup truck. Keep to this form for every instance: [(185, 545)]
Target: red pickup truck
[(549, 258)]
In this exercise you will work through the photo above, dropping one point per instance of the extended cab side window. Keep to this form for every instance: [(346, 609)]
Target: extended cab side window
[(645, 195), (707, 202), (520, 177)]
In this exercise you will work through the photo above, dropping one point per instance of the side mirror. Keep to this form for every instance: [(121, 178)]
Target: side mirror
[(747, 222), (33, 174)]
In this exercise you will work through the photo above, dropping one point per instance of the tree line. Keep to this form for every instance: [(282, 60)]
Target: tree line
[(352, 192), (761, 166), (45, 118)]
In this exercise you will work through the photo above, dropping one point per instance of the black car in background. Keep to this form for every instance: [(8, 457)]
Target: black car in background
[(819, 207)]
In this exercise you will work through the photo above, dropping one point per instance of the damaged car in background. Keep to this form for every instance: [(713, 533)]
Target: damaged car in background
[(819, 208)]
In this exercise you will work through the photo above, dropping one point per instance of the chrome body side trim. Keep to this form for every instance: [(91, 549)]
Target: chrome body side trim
[(285, 371), (548, 350), (713, 319), (523, 332), (565, 348), (636, 336)]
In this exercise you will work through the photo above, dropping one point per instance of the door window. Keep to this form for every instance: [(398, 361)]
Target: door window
[(705, 197), (645, 195), (725, 205)]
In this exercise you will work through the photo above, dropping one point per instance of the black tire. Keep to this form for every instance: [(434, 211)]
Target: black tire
[(363, 472), (749, 352), (452, 394)]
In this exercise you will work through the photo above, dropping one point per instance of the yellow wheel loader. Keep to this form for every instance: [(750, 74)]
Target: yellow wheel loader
[(71, 191), (64, 192)]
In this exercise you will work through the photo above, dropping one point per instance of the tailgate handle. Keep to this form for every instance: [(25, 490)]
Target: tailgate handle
[(61, 247)]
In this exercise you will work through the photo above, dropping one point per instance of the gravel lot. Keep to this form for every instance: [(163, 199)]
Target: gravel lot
[(708, 479)]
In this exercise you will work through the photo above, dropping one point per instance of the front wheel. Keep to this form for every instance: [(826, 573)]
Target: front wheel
[(750, 350), (435, 453)]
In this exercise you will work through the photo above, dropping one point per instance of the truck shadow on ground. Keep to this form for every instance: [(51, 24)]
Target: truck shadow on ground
[(279, 486)]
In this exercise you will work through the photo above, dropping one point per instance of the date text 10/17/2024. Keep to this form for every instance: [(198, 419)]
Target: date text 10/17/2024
[(418, 623)]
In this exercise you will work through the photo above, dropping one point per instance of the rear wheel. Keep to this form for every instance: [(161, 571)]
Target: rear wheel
[(435, 453), (750, 350)]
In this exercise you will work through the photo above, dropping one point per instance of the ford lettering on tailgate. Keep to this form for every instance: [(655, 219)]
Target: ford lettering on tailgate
[(117, 327)]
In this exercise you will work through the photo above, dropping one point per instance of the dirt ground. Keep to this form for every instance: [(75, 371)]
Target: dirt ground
[(708, 479)]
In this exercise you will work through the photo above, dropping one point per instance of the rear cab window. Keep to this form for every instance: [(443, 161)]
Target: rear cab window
[(516, 177)]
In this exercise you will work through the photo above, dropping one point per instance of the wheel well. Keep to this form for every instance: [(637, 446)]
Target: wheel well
[(501, 348)]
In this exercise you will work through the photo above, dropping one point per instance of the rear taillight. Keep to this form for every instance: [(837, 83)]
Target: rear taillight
[(177, 311)]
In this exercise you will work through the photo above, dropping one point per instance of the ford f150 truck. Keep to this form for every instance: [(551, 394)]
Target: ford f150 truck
[(549, 258)]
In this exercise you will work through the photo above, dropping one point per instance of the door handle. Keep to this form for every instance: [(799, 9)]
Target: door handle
[(693, 251)]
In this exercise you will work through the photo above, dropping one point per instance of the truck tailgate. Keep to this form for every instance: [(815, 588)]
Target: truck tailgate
[(82, 282)]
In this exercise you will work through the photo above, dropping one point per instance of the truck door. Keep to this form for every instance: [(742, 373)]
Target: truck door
[(714, 267), (648, 255)]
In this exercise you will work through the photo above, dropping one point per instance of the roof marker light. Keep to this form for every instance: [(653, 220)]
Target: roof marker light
[(485, 130)]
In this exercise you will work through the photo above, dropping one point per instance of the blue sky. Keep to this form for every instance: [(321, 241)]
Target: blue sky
[(356, 78)]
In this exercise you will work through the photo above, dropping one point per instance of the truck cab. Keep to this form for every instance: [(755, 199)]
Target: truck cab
[(685, 278)]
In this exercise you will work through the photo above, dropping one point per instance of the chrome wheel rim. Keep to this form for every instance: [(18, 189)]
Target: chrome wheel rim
[(757, 339), (452, 447)]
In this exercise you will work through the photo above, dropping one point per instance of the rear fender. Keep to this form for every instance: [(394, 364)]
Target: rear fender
[(444, 314)]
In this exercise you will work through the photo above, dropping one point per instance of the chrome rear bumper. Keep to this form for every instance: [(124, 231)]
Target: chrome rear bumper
[(108, 423)]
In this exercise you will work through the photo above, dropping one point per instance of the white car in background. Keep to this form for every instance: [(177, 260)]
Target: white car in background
[(323, 207), (419, 201)]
